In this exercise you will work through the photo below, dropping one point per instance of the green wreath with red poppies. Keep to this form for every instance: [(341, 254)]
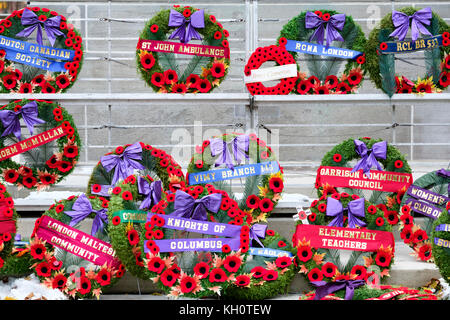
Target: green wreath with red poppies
[(59, 269), (157, 163), (323, 77), (381, 67), (212, 272), (342, 154), (161, 71), (318, 264), (265, 277), (9, 217), (42, 166), (20, 78), (441, 253), (261, 193)]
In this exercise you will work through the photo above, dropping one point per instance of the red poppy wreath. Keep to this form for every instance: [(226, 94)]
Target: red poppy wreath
[(40, 52), (156, 52), (8, 225), (338, 224), (305, 35), (221, 161), (285, 71), (50, 151), (159, 241), (63, 256)]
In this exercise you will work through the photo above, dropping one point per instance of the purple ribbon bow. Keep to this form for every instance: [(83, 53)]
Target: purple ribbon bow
[(51, 26), (354, 209), (369, 156), (324, 288), (258, 231), (187, 207), (335, 23), (186, 27), (82, 208), (124, 163), (239, 145), (445, 174), (418, 19), (151, 191), (11, 121)]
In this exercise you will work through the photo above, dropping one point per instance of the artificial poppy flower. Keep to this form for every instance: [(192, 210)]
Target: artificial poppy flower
[(405, 89), (252, 201), (313, 80), (321, 90), (270, 275), (383, 46), (158, 79), (283, 262), (315, 275), (322, 207), (70, 151), (168, 278), (204, 85), (179, 88), (217, 275), (83, 285), (48, 88), (379, 221), (312, 217), (398, 164), (372, 209), (359, 271), (425, 252), (337, 157), (303, 87), (391, 216), (155, 264), (329, 269), (64, 166), (343, 88), (127, 195), (281, 244), (10, 175), (242, 280), (29, 181), (336, 196), (424, 86), (25, 88), (154, 28), (232, 263), (103, 277), (9, 81), (361, 59), (201, 269), (218, 70), (354, 77), (59, 281), (147, 61), (266, 205), (304, 253), (326, 16), (212, 18), (331, 81), (217, 35), (133, 237), (38, 80), (258, 272), (62, 81), (419, 236), (38, 251), (406, 234), (276, 184), (187, 284), (43, 269), (170, 76), (383, 258), (192, 81), (59, 208), (187, 13), (407, 219), (2, 64)]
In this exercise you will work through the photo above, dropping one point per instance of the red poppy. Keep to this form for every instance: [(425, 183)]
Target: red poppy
[(62, 81), (2, 64), (270, 275), (304, 253), (424, 87), (383, 46), (158, 79), (154, 28), (133, 237), (71, 151), (359, 271), (407, 219), (43, 269), (266, 205), (425, 252), (383, 259), (168, 278), (37, 251), (405, 89), (322, 207), (315, 275), (9, 81), (59, 208), (419, 236), (406, 234), (321, 90), (270, 232), (444, 80), (25, 88), (329, 269), (283, 262), (337, 157), (312, 217), (391, 216), (242, 280), (155, 264), (187, 284), (147, 61), (170, 76), (179, 88), (187, 13), (372, 209), (354, 77), (59, 281), (276, 184), (258, 272), (217, 35), (313, 80), (303, 87), (217, 275), (127, 195), (29, 181), (232, 263), (83, 285), (379, 221), (343, 88), (212, 18), (201, 269), (326, 16), (405, 209), (361, 59), (331, 81), (11, 175), (204, 85), (192, 81), (103, 277), (218, 70), (318, 13), (48, 88), (398, 164)]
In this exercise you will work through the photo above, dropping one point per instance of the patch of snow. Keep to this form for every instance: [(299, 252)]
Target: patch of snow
[(28, 288)]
